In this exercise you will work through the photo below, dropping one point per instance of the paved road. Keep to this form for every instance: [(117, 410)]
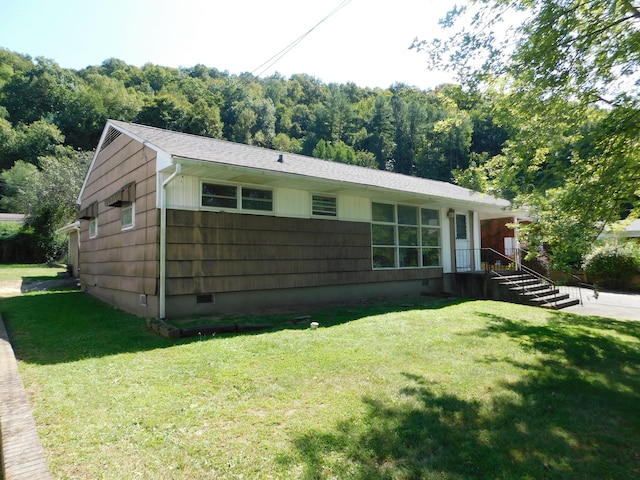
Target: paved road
[(608, 304)]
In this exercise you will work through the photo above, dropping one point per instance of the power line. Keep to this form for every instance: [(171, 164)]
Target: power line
[(278, 56)]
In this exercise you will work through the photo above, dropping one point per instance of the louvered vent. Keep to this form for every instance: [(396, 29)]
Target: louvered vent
[(111, 135)]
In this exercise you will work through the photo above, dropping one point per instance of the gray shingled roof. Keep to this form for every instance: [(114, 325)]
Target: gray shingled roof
[(220, 151)]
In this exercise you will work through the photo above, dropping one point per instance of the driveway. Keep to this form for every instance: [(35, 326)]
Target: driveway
[(607, 304)]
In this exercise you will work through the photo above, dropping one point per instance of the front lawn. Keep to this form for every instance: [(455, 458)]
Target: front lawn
[(415, 389)]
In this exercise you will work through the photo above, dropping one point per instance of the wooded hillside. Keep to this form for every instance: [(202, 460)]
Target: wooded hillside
[(44, 107)]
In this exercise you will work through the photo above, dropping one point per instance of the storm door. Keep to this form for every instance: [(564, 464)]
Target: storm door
[(463, 243)]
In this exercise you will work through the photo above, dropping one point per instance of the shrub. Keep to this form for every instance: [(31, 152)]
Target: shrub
[(20, 244), (613, 265)]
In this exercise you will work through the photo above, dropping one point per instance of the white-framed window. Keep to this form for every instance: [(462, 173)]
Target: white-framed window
[(236, 197), (383, 235), (127, 215), (257, 199), (324, 206), (219, 196), (405, 236), (462, 229), (93, 227), (431, 243)]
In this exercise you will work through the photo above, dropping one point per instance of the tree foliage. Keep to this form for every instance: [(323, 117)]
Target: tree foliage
[(46, 194), (568, 77), (613, 264)]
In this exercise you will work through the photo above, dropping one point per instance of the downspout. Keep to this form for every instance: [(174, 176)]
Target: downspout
[(163, 241)]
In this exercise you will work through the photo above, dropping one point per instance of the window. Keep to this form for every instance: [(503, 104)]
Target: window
[(228, 196), (127, 215), (409, 248), (383, 235), (461, 227), (221, 196), (254, 199), (324, 206), (404, 236), (430, 237), (93, 227)]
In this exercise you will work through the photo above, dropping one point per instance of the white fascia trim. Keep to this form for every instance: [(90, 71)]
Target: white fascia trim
[(160, 154)]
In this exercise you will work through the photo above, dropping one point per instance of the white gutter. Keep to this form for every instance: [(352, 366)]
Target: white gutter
[(163, 241)]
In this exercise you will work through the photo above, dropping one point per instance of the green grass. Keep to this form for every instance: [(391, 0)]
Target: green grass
[(28, 273), (416, 389)]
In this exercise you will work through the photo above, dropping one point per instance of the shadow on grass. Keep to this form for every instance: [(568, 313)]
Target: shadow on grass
[(61, 282), (65, 326), (571, 412)]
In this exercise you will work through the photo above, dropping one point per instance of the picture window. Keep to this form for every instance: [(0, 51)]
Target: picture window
[(411, 241)]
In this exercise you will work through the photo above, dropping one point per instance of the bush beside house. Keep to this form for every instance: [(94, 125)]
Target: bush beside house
[(17, 245), (614, 265)]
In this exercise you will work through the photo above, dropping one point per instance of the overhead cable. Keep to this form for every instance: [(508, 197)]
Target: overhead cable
[(278, 56)]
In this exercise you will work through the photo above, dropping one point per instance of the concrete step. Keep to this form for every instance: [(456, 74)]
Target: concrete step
[(559, 305), (554, 297), (521, 280), (533, 289), (513, 277)]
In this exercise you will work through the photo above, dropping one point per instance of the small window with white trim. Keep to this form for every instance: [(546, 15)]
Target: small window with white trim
[(237, 198), (257, 199), (127, 215), (219, 196), (324, 206), (93, 227)]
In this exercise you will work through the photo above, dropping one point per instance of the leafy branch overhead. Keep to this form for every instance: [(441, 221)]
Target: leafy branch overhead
[(566, 75)]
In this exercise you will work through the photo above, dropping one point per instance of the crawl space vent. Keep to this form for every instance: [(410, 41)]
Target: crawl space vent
[(207, 298)]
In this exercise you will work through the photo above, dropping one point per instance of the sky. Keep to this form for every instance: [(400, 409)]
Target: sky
[(365, 42)]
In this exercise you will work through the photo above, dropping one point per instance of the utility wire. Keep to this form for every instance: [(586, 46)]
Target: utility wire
[(278, 56)]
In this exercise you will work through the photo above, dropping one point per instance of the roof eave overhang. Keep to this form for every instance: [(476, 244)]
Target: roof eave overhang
[(200, 168), (163, 158)]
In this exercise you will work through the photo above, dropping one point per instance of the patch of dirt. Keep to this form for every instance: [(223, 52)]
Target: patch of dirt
[(10, 288), (13, 288)]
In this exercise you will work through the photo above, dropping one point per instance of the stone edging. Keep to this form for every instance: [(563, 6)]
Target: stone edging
[(20, 448)]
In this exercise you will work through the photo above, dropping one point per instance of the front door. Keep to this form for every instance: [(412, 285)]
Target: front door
[(463, 244)]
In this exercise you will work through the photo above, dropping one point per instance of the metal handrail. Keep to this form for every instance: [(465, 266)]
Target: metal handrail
[(533, 293), (525, 269)]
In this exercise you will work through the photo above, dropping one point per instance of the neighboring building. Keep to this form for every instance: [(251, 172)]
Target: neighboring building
[(73, 251), (12, 218), (174, 224), (624, 229), (633, 230)]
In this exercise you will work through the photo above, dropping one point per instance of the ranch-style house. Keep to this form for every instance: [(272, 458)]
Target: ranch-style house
[(172, 224)]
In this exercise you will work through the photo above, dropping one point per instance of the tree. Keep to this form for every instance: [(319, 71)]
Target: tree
[(570, 75), (381, 129), (447, 138), (47, 195), (28, 142), (285, 143), (409, 117), (16, 181), (165, 111), (47, 87), (336, 151)]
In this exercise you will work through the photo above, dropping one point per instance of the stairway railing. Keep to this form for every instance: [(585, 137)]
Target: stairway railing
[(498, 263)]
